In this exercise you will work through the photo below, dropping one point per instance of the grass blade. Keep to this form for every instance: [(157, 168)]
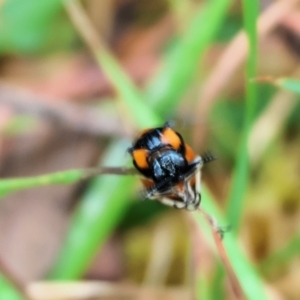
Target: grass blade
[(289, 84), (278, 259), (8, 186), (67, 266), (7, 291), (241, 171), (171, 83), (106, 198), (126, 90), (76, 255), (101, 208), (248, 277)]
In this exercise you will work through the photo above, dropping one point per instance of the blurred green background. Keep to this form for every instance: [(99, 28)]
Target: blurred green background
[(79, 79)]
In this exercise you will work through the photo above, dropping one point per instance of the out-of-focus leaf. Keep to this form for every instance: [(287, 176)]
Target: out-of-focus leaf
[(278, 259), (102, 206), (33, 26), (11, 185), (129, 94), (241, 171), (217, 287), (175, 77), (8, 186), (106, 199), (248, 277), (7, 291), (290, 84), (18, 125), (68, 267)]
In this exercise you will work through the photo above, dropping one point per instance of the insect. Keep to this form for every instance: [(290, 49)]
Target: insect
[(171, 171)]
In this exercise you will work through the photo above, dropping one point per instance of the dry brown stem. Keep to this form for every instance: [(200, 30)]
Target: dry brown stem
[(84, 26), (72, 117), (218, 235)]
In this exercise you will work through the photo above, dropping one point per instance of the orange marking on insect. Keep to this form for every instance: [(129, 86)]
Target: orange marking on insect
[(169, 137), (140, 157), (180, 186), (193, 181), (189, 153)]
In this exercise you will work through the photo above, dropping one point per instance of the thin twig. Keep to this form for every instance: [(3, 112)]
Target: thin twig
[(84, 27), (10, 185), (217, 233), (72, 117), (235, 284), (91, 172), (13, 280)]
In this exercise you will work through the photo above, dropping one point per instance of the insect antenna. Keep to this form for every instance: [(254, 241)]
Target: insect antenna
[(208, 157)]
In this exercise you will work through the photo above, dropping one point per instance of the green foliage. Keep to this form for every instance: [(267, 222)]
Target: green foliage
[(8, 186), (100, 209), (7, 291), (253, 286), (289, 84), (276, 261), (241, 172), (127, 91), (19, 124), (131, 98), (168, 87), (34, 26), (231, 26)]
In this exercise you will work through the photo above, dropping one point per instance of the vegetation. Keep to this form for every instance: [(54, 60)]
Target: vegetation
[(248, 117)]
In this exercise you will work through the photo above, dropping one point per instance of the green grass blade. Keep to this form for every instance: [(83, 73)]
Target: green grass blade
[(290, 84), (7, 291), (202, 286), (107, 198), (66, 266), (249, 279), (8, 186), (171, 83), (278, 259), (217, 284), (79, 249), (241, 172), (132, 98), (100, 209), (126, 90)]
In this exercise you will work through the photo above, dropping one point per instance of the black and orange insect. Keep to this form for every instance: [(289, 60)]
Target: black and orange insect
[(171, 171)]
